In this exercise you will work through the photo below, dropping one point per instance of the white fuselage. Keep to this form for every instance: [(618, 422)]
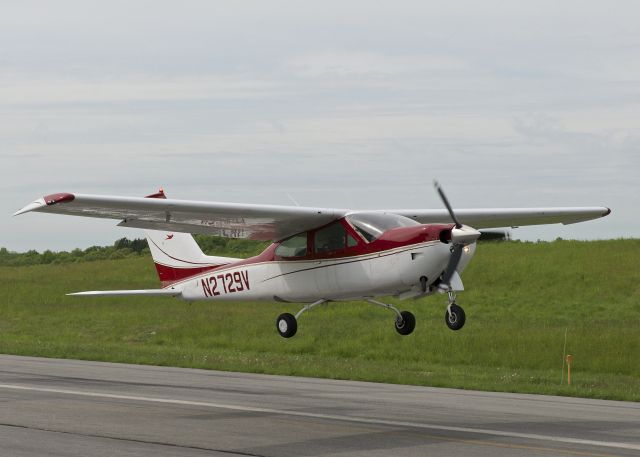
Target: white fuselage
[(389, 272)]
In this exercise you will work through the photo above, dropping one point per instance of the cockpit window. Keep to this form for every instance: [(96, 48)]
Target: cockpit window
[(331, 238), (372, 225), (296, 246)]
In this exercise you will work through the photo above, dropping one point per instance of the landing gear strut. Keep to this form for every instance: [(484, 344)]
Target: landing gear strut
[(405, 321), (287, 324), (454, 317)]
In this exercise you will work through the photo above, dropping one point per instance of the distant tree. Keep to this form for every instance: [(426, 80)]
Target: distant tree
[(125, 247), (138, 245), (122, 243), (48, 256)]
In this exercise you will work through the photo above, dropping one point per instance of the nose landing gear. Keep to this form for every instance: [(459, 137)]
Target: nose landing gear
[(454, 317)]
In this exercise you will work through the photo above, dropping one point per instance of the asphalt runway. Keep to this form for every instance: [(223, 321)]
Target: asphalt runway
[(59, 407)]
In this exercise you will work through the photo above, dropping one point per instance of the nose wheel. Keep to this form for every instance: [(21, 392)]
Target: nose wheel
[(454, 317)]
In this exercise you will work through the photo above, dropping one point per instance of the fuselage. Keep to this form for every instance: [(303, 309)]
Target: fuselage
[(395, 263)]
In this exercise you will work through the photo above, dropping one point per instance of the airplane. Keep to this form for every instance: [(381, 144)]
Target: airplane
[(318, 255)]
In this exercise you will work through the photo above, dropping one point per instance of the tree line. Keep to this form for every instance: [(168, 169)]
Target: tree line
[(125, 248)]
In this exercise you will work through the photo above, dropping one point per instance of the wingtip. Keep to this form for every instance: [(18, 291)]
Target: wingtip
[(47, 200), (31, 207)]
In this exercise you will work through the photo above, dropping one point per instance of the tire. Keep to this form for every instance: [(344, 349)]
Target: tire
[(456, 320), (287, 325), (407, 325)]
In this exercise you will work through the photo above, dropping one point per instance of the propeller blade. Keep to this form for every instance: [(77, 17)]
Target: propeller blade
[(444, 199), (456, 255)]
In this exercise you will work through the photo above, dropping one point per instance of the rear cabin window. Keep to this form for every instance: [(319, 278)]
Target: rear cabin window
[(330, 239), (296, 246)]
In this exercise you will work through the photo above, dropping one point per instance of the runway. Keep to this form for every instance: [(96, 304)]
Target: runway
[(68, 407)]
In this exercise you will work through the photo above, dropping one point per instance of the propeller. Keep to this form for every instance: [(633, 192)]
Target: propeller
[(445, 200), (454, 260), (461, 236)]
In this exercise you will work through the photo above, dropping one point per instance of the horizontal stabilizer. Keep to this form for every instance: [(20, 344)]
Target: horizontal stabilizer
[(150, 292)]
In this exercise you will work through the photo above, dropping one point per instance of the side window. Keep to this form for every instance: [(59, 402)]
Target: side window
[(351, 241), (331, 238), (296, 246)]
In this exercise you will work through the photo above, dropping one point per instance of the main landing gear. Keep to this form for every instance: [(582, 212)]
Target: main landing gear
[(287, 324), (454, 317), (405, 322)]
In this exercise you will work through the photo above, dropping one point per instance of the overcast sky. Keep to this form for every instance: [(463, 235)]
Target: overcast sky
[(341, 104)]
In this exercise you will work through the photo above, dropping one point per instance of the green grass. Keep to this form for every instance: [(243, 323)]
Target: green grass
[(520, 300)]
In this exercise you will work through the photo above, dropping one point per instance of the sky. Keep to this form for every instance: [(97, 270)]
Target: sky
[(346, 104)]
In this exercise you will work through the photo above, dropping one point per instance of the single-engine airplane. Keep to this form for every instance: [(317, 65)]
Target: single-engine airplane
[(319, 255)]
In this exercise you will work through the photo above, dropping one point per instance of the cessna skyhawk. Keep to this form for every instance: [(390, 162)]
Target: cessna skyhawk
[(319, 255)]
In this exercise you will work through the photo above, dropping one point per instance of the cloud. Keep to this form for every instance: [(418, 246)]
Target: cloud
[(354, 104), (40, 92)]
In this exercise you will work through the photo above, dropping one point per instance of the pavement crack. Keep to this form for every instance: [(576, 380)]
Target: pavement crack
[(133, 440)]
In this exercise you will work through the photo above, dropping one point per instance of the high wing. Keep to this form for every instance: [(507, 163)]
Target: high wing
[(230, 220), (271, 222), (507, 217)]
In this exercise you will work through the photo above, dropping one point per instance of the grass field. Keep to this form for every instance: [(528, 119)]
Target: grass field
[(521, 298)]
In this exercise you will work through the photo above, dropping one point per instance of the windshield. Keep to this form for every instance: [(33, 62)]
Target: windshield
[(372, 225)]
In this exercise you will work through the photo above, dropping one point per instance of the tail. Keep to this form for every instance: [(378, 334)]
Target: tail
[(177, 255)]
